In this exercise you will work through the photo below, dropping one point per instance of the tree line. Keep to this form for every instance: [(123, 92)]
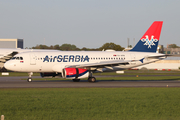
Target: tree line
[(71, 47), (173, 46)]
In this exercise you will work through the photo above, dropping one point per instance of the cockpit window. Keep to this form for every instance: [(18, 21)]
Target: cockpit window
[(17, 58)]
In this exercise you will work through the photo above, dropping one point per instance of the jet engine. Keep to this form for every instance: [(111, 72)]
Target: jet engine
[(75, 73), (50, 75)]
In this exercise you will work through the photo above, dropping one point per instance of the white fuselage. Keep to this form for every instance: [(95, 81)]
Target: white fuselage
[(57, 60)]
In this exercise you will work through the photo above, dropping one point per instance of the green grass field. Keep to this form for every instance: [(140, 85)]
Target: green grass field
[(90, 104), (94, 103)]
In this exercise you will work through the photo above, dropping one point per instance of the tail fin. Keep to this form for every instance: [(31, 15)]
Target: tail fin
[(150, 40)]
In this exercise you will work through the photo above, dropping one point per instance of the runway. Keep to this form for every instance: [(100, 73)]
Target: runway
[(16, 82)]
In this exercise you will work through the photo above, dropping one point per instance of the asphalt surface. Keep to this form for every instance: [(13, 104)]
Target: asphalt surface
[(16, 82)]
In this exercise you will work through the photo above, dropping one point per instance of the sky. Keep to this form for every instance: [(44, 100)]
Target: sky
[(87, 23)]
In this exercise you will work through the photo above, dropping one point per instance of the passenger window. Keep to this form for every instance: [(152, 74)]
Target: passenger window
[(17, 58)]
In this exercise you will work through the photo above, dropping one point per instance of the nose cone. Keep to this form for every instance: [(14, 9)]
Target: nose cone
[(9, 65)]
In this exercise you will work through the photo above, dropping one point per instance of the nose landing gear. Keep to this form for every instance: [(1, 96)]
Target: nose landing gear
[(30, 79)]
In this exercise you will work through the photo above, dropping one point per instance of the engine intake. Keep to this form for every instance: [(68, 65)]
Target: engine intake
[(75, 73)]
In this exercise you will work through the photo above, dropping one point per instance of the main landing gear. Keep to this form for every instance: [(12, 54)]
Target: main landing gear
[(92, 79), (30, 79)]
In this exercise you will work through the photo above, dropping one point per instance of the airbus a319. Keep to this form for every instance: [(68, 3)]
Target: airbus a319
[(82, 64)]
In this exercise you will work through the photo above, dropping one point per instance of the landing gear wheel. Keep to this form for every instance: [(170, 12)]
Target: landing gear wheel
[(92, 79), (76, 80), (29, 79)]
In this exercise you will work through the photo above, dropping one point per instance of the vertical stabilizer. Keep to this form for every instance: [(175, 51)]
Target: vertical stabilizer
[(149, 41)]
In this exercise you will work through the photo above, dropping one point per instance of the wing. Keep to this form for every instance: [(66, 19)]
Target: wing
[(101, 64)]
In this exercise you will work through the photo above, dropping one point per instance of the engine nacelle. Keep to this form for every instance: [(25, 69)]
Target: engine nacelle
[(75, 73), (50, 75)]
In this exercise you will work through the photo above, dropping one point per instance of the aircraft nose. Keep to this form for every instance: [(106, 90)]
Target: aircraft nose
[(9, 65)]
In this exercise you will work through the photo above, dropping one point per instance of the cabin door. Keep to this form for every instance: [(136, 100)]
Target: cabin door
[(32, 59)]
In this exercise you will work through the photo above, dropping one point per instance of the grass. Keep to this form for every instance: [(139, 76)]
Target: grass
[(90, 104), (94, 103)]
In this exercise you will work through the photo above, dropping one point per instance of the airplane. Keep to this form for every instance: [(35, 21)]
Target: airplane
[(76, 65)]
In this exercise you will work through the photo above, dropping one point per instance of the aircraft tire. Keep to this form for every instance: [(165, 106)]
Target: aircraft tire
[(92, 79), (76, 80), (29, 79)]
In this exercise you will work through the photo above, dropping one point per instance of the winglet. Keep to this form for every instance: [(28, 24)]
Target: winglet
[(149, 41)]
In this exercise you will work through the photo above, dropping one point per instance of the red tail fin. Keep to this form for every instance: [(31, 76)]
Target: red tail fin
[(150, 40), (154, 30)]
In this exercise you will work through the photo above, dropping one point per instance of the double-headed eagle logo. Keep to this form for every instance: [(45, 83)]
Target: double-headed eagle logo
[(149, 42)]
